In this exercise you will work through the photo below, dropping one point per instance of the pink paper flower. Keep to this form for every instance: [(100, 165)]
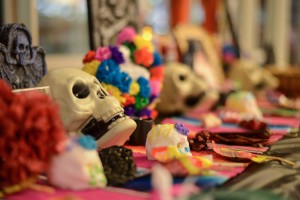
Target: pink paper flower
[(155, 87), (126, 35), (103, 53)]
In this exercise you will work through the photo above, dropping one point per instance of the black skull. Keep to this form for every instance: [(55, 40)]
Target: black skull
[(21, 49)]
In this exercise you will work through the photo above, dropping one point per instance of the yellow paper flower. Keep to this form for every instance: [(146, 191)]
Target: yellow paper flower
[(140, 43), (91, 67), (134, 88), (114, 91)]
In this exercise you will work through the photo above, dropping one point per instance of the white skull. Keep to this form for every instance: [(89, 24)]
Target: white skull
[(77, 168), (244, 104), (184, 91), (250, 76), (166, 135), (86, 107)]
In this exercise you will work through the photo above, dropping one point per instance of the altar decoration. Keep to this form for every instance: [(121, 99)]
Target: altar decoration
[(22, 65), (167, 141), (87, 108), (132, 71), (118, 163), (31, 133), (78, 167), (184, 91), (244, 103)]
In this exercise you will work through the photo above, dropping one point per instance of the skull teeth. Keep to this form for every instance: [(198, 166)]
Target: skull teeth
[(117, 121), (112, 113)]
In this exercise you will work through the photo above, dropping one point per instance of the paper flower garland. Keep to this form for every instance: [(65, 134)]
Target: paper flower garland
[(131, 71), (31, 133)]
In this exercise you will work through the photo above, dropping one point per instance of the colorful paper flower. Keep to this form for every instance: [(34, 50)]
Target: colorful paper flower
[(144, 113), (157, 73), (140, 102), (129, 110), (134, 88), (91, 67), (126, 35), (137, 94), (116, 55), (31, 133), (122, 81), (156, 59), (129, 100), (141, 43), (106, 68), (143, 57), (145, 89), (103, 53), (114, 91), (132, 49), (155, 86), (89, 56)]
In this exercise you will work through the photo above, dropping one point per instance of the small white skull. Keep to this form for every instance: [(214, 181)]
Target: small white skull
[(243, 103), (77, 168), (248, 75), (184, 91), (86, 107), (165, 135)]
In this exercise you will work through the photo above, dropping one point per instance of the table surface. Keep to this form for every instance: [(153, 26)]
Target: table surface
[(141, 188)]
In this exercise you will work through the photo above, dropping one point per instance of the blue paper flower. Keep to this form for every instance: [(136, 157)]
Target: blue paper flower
[(122, 81), (157, 59), (105, 69), (145, 89)]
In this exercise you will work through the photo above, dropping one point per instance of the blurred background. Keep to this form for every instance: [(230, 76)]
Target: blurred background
[(61, 26), (266, 31)]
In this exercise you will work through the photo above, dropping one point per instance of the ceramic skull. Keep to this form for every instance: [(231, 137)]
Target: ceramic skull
[(22, 49), (77, 168), (184, 91), (168, 135), (250, 76), (86, 107), (243, 103)]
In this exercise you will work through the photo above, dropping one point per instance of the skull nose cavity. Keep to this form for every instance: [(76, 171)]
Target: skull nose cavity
[(80, 90), (101, 94)]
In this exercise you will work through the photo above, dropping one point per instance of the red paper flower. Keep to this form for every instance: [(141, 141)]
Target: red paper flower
[(31, 132), (157, 73), (143, 57), (129, 100), (89, 57)]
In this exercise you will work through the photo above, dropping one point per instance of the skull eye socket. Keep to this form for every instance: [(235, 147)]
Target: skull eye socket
[(21, 46), (80, 90), (182, 77)]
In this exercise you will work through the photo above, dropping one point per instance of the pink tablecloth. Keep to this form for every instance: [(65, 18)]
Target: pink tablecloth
[(224, 169)]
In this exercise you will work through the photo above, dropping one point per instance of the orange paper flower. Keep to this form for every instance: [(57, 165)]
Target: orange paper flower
[(143, 57)]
